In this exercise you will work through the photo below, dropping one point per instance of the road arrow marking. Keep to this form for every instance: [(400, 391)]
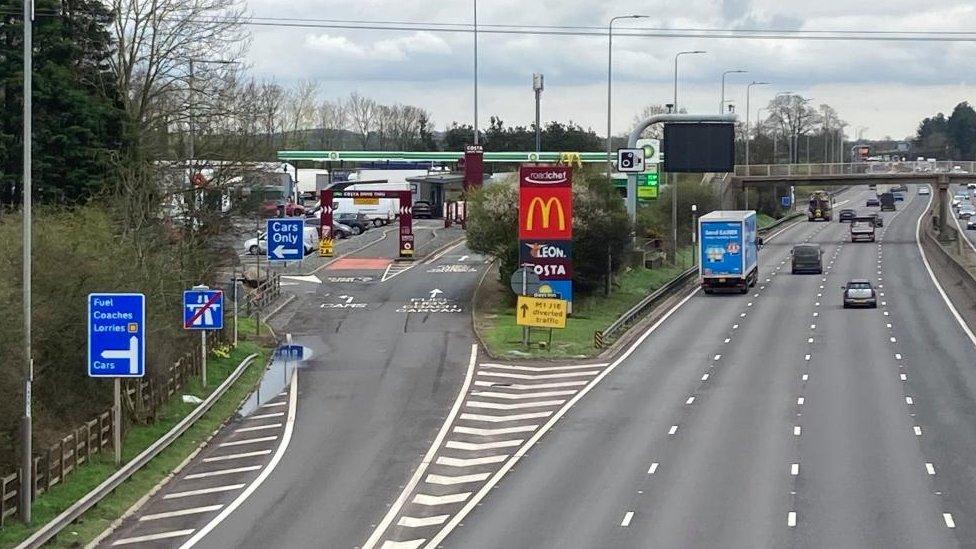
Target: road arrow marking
[(434, 292), (462, 258)]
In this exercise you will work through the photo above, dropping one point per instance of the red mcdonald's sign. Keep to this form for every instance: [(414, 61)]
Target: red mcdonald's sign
[(546, 213)]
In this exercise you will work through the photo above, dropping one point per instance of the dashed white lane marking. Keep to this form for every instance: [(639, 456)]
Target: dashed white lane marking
[(743, 315), (885, 313), (690, 400), (821, 287), (704, 377), (411, 544), (816, 315), (264, 416), (904, 377), (258, 428), (791, 519), (448, 480), (796, 430), (181, 512), (716, 357), (806, 357), (153, 537), (735, 326), (223, 472), (800, 401), (673, 430), (426, 499), (514, 396), (888, 325), (503, 419), (918, 431), (819, 295), (930, 468), (420, 522), (202, 491), (809, 340), (909, 400), (540, 369), (893, 340), (653, 468), (492, 432), (248, 441), (805, 377), (513, 406), (749, 304), (817, 304), (470, 462), (813, 326), (897, 356), (539, 376), (728, 339), (628, 516), (948, 520), (552, 385), (473, 446), (237, 456), (795, 469)]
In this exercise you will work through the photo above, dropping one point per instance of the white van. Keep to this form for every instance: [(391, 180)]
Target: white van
[(379, 210)]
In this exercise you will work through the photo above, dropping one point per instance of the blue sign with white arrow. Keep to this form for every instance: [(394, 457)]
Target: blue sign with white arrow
[(290, 352), (116, 335), (286, 239), (203, 310)]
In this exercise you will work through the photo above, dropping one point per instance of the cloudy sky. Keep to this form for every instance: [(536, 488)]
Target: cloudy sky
[(884, 86)]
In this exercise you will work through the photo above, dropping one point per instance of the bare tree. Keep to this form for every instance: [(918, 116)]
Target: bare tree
[(793, 117), (362, 115), (654, 131), (301, 109), (332, 119)]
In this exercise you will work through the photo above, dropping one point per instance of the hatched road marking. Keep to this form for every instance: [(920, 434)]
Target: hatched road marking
[(181, 512), (153, 537)]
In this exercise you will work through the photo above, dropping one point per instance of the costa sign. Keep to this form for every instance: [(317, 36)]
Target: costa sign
[(545, 176), (550, 260), (545, 213)]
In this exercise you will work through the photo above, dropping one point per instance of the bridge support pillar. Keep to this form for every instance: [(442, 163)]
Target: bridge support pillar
[(942, 191)]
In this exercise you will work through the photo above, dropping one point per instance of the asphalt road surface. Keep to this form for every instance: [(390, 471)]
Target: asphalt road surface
[(774, 419)]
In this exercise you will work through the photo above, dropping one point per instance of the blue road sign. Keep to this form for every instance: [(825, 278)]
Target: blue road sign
[(784, 201), (203, 310), (286, 239), (116, 335), (290, 352)]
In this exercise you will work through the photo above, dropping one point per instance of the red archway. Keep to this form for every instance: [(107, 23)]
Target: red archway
[(405, 212)]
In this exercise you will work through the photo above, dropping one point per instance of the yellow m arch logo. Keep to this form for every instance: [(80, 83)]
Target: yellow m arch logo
[(571, 159), (545, 210)]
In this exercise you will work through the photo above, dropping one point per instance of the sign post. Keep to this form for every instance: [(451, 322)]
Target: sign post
[(546, 227), (203, 310), (116, 346)]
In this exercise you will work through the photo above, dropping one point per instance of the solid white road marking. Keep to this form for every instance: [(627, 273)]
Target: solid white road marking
[(795, 469), (153, 537), (237, 456), (690, 400), (448, 480), (492, 432), (930, 468), (202, 491), (673, 430), (628, 516), (420, 522), (258, 428), (540, 369), (458, 445), (918, 430), (514, 406), (410, 544), (223, 472), (948, 520), (800, 401), (425, 499), (517, 396), (796, 430), (181, 512), (249, 441), (265, 416), (653, 468), (470, 462), (503, 419), (519, 386), (791, 519)]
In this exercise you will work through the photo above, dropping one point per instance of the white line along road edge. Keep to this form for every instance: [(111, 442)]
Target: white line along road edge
[(428, 458), (279, 453), (945, 298)]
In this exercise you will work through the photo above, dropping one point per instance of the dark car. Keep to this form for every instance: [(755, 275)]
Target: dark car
[(873, 202), (859, 293), (878, 220), (807, 258), (846, 215), (422, 209), (339, 230), (358, 222)]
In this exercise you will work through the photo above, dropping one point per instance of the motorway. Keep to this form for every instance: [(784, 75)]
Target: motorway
[(775, 419)]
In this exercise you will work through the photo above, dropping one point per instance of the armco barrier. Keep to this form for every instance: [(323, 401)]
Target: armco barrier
[(51, 529)]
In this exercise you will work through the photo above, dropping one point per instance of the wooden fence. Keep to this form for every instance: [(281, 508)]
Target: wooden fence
[(265, 294), (55, 464)]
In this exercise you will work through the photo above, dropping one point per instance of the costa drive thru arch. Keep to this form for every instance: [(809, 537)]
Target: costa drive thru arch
[(405, 212)]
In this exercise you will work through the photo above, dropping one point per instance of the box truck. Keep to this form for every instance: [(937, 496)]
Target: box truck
[(729, 251)]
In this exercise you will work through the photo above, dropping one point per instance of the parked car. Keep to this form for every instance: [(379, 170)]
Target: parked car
[(846, 215), (422, 210), (966, 211), (807, 258), (971, 186), (859, 293), (259, 245), (971, 224), (873, 202), (270, 209), (358, 222)]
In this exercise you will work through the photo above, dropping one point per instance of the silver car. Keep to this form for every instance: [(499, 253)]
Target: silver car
[(860, 293)]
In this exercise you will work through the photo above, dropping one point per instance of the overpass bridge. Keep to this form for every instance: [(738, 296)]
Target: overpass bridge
[(940, 175)]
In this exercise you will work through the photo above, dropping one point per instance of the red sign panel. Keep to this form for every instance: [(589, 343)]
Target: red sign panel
[(545, 213), (545, 176)]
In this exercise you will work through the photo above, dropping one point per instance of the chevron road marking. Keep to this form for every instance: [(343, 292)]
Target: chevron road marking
[(516, 406), (540, 376), (470, 462), (448, 480), (411, 544), (492, 432), (458, 445), (502, 419), (514, 396), (424, 499), (419, 522), (555, 385), (541, 368)]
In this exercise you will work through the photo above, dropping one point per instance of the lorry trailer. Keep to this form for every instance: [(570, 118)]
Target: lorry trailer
[(729, 251)]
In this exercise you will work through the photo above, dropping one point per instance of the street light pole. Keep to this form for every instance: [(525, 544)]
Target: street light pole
[(721, 104), (26, 430), (610, 85), (475, 72), (673, 177), (537, 86)]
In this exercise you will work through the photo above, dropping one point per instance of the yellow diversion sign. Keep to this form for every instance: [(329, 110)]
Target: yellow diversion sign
[(325, 247), (540, 312)]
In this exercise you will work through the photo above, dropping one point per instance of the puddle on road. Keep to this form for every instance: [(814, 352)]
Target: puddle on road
[(276, 378)]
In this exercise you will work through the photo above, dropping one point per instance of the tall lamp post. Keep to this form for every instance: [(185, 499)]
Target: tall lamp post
[(610, 82), (721, 105), (537, 85), (475, 72), (26, 430), (674, 178)]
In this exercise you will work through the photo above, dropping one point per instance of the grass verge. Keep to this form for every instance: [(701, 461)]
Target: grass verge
[(137, 439), (495, 315)]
